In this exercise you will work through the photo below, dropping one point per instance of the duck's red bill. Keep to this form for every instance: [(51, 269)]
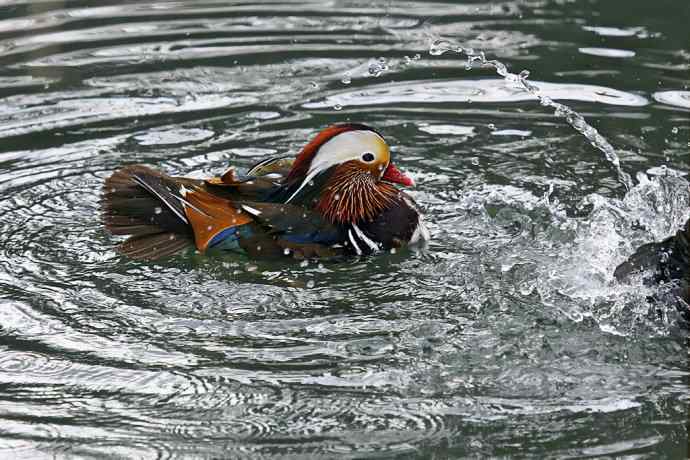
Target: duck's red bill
[(393, 174)]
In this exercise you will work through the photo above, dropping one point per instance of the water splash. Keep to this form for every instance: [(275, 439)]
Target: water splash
[(574, 119), (376, 68)]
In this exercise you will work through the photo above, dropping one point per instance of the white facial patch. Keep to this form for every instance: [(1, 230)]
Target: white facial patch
[(344, 147)]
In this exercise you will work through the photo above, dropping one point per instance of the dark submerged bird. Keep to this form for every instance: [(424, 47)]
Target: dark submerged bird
[(667, 261), (336, 198)]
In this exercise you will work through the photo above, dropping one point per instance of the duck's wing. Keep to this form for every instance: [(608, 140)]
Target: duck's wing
[(164, 214), (258, 184), (299, 231), (275, 167), (147, 205), (293, 223)]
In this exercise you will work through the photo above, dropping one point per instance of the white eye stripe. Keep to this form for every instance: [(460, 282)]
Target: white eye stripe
[(344, 147)]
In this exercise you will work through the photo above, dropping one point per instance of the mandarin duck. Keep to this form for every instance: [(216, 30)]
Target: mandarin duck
[(336, 198), (666, 261)]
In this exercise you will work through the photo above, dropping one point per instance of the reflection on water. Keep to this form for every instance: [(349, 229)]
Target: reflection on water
[(469, 91), (507, 336)]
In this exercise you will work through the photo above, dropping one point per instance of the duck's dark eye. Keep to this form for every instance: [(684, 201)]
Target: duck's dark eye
[(368, 157)]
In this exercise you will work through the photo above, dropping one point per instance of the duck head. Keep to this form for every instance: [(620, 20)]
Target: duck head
[(347, 173)]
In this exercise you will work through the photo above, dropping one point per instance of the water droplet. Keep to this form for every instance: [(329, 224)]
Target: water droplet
[(286, 251), (393, 251), (320, 267), (304, 263), (674, 130), (258, 248), (491, 126), (336, 197), (310, 284), (377, 68), (157, 210), (347, 79), (337, 107), (476, 444), (438, 47)]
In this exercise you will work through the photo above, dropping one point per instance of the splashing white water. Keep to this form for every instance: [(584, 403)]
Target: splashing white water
[(574, 119)]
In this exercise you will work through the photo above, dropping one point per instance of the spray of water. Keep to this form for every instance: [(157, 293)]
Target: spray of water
[(574, 119)]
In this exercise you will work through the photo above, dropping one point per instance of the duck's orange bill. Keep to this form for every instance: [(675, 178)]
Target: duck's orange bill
[(393, 174)]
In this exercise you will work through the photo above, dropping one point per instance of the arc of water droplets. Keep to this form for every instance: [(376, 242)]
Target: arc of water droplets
[(573, 118)]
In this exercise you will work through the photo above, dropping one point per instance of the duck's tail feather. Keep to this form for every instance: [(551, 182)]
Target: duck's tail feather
[(154, 246), (147, 205)]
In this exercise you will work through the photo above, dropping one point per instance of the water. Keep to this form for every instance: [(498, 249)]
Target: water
[(506, 337), (574, 119)]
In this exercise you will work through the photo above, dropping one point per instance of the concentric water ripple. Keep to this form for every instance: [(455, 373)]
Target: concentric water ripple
[(507, 336)]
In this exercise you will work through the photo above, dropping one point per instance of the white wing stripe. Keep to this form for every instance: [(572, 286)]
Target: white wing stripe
[(368, 241), (151, 190), (251, 210), (354, 243)]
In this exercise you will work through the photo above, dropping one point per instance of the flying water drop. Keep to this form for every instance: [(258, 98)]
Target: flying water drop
[(574, 119), (376, 68)]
